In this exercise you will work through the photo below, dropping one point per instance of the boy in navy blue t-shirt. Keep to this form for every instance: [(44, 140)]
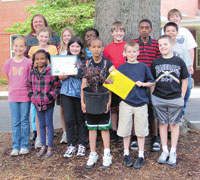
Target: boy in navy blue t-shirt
[(135, 103)]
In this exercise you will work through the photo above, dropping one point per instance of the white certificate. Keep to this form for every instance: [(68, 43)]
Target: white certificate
[(64, 65)]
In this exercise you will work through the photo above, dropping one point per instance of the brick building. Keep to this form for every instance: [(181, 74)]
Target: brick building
[(11, 11), (191, 19)]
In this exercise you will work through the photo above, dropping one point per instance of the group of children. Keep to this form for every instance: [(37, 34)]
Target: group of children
[(161, 85)]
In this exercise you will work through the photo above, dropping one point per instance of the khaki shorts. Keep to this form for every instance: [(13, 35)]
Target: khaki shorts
[(126, 120)]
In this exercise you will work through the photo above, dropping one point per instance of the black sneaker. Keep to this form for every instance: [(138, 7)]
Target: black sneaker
[(128, 161), (113, 136), (121, 139), (156, 144), (33, 136), (139, 163), (134, 143)]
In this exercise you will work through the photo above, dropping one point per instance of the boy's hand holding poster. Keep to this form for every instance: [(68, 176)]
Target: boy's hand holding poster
[(119, 84)]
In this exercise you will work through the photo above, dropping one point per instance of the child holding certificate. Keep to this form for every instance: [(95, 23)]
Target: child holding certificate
[(135, 103), (66, 35), (70, 100)]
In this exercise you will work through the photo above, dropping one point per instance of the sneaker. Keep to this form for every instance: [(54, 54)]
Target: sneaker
[(38, 143), (107, 161), (70, 151), (139, 163), (41, 152), (49, 153), (120, 139), (81, 150), (172, 159), (64, 138), (14, 152), (92, 160), (134, 145), (23, 151), (155, 144), (163, 158), (181, 120), (128, 161), (113, 136), (33, 136)]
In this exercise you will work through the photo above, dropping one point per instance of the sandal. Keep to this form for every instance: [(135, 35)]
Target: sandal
[(41, 152), (49, 153)]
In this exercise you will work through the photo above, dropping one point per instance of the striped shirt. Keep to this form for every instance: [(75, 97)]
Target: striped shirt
[(148, 51)]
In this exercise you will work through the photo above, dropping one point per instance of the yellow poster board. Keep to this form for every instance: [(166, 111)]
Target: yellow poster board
[(121, 84)]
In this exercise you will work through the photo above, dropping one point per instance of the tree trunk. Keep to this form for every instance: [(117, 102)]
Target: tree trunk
[(130, 12)]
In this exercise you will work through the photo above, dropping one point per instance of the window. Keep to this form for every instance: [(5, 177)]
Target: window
[(198, 50), (12, 38)]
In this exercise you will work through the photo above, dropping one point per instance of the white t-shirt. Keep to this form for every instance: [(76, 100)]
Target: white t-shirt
[(185, 38), (181, 51)]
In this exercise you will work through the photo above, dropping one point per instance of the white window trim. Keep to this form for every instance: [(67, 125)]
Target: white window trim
[(12, 37), (197, 60)]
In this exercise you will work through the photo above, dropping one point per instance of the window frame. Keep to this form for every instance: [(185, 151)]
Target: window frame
[(12, 38), (197, 59)]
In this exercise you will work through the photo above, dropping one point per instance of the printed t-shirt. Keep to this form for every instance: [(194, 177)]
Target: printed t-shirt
[(18, 74)]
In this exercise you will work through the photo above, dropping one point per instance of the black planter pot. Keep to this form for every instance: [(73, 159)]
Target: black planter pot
[(96, 103)]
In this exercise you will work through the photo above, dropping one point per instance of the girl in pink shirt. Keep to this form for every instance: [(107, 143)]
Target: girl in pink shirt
[(17, 70)]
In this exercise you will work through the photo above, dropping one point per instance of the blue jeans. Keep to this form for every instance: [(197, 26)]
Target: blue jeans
[(20, 124), (33, 115), (46, 121), (187, 94)]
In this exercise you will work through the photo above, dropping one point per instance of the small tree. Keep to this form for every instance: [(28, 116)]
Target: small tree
[(79, 14)]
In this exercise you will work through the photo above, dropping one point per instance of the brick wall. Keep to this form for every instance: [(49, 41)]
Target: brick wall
[(185, 6), (10, 12)]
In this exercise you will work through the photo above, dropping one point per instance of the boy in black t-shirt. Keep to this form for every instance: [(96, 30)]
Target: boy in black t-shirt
[(96, 122), (170, 73)]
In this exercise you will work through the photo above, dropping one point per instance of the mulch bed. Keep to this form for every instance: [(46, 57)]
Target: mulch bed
[(57, 167)]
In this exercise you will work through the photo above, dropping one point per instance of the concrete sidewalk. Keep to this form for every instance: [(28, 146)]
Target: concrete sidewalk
[(3, 95), (193, 110)]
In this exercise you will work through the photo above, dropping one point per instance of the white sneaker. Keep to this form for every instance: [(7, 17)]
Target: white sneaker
[(163, 158), (93, 157), (14, 152), (81, 150), (107, 161), (64, 138), (70, 151), (23, 151), (38, 143), (172, 159)]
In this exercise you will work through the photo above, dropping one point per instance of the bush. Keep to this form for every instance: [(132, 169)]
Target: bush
[(60, 13), (3, 81)]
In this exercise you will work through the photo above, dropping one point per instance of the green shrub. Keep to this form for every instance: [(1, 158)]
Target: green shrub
[(59, 14), (3, 81)]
